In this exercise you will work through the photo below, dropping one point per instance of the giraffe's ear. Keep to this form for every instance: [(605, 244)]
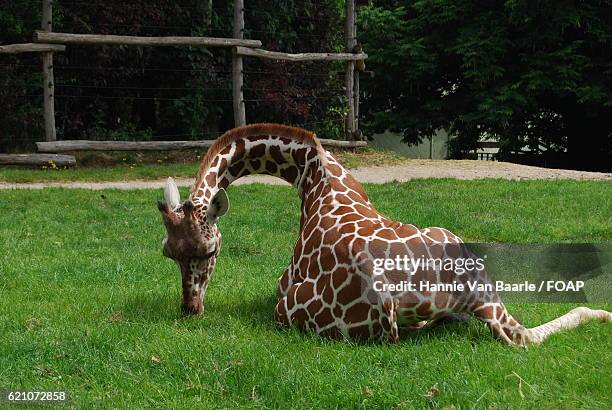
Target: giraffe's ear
[(171, 194), (219, 205)]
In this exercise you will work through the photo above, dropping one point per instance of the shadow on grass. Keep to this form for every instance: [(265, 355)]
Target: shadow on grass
[(156, 307), (256, 311), (151, 307), (259, 312)]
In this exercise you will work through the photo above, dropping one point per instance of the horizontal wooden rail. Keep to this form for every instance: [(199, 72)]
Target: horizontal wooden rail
[(343, 144), (37, 159), (275, 55), (85, 145), (31, 48), (67, 38)]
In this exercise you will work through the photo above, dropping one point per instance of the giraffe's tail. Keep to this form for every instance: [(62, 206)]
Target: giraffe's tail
[(570, 320)]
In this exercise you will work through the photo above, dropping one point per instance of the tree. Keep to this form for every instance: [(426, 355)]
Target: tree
[(529, 74)]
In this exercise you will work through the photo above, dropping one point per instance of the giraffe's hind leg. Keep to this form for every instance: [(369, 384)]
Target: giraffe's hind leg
[(503, 326), (508, 330), (569, 320)]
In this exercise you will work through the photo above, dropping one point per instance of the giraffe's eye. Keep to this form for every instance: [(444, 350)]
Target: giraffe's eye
[(166, 251), (211, 253), (171, 249)]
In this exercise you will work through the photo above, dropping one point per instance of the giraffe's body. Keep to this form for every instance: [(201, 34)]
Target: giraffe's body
[(328, 286)]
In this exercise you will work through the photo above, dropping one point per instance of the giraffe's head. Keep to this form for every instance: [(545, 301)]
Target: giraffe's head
[(193, 241)]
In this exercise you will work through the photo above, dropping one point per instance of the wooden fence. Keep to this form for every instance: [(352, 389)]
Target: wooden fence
[(48, 42)]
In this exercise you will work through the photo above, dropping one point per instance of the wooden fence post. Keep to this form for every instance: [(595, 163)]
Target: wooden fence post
[(48, 79), (237, 74), (350, 69), (356, 72)]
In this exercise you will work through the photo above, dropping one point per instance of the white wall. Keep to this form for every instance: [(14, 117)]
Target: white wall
[(393, 142)]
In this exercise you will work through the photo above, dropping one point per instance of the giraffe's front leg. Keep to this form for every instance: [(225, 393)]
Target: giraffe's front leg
[(319, 311), (288, 310), (307, 309), (284, 283)]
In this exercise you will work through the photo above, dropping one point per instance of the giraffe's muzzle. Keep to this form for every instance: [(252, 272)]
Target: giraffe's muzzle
[(192, 307), (194, 286), (192, 303)]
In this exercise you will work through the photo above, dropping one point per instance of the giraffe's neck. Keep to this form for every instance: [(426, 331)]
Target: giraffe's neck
[(301, 163)]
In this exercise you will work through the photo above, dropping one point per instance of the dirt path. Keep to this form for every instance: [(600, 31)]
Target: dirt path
[(413, 169)]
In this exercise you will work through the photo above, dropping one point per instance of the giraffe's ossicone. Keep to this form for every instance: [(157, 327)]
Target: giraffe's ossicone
[(330, 285)]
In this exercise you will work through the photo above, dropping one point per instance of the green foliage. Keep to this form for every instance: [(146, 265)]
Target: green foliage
[(172, 92), (530, 74), (127, 132), (18, 18), (306, 94)]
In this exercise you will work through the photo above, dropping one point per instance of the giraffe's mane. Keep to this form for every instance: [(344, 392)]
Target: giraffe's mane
[(253, 130)]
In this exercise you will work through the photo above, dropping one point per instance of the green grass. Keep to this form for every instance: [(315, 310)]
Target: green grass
[(101, 173), (86, 300), (125, 166)]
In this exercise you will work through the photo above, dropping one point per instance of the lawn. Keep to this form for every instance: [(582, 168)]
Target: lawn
[(88, 305), (124, 166)]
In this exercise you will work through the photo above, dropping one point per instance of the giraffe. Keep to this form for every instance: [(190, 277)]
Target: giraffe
[(329, 286)]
